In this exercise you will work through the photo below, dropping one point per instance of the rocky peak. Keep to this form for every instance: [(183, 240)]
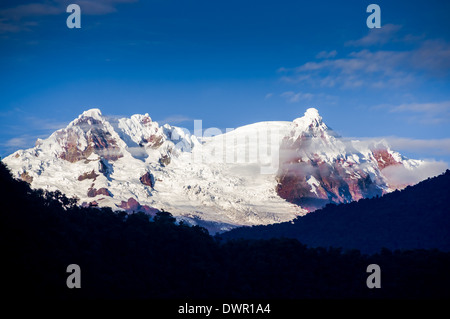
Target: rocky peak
[(317, 167), (89, 133), (93, 113), (132, 206), (88, 119), (384, 158), (148, 179), (310, 125), (125, 156), (311, 119), (146, 119), (313, 115)]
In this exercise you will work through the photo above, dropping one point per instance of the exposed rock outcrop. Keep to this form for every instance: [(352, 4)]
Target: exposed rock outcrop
[(317, 168), (87, 135), (92, 192), (88, 175), (132, 205), (384, 158), (147, 179), (26, 177), (105, 167), (164, 160)]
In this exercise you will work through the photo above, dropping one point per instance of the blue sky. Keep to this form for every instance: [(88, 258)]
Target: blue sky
[(230, 63)]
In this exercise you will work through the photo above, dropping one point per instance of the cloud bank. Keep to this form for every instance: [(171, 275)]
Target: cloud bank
[(400, 176), (25, 16)]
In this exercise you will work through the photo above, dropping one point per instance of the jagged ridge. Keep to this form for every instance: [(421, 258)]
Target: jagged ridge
[(109, 161)]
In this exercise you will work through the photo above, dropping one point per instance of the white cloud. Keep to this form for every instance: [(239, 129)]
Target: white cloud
[(326, 54), (99, 7), (359, 68), (268, 96), (19, 18), (433, 56), (175, 119), (32, 9), (377, 36), (18, 142), (23, 141), (424, 148), (430, 147), (375, 68), (400, 176), (293, 97), (440, 107), (424, 113), (7, 27), (45, 124)]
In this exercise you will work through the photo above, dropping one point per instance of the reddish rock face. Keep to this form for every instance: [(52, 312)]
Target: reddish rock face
[(92, 192), (335, 184), (26, 178), (132, 205), (99, 142), (146, 120), (147, 179), (164, 160), (383, 158), (155, 141), (71, 151), (105, 145), (90, 175), (104, 191), (90, 204), (307, 180)]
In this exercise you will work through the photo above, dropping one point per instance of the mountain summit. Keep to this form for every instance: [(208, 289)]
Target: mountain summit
[(310, 122), (215, 181)]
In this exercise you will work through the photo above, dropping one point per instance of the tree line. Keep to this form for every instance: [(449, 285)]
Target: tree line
[(133, 256)]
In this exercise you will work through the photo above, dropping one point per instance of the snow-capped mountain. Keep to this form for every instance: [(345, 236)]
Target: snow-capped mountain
[(318, 166), (257, 174)]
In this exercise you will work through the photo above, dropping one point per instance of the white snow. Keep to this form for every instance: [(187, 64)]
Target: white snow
[(229, 178), (314, 183)]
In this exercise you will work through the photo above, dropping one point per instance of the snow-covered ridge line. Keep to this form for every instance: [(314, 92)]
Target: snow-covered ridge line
[(256, 174)]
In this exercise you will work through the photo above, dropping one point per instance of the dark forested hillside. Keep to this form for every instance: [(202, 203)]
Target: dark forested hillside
[(416, 217), (130, 256)]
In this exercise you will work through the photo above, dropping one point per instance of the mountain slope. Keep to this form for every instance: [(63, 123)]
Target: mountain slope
[(257, 174), (318, 166), (132, 257), (416, 217)]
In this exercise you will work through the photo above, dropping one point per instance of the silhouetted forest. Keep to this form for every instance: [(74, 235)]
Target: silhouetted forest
[(131, 256), (416, 217)]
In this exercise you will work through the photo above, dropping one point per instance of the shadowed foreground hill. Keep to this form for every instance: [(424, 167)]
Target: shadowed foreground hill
[(416, 217), (132, 257)]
